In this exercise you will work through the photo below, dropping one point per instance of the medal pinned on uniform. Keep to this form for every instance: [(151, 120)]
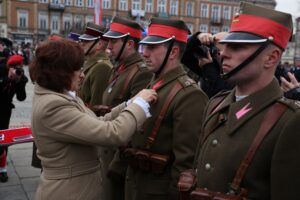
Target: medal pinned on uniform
[(110, 86)]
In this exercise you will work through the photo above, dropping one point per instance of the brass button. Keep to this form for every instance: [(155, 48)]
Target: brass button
[(215, 142), (207, 166)]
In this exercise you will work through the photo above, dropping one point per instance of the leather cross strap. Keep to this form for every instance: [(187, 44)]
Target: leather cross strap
[(270, 118), (128, 79), (150, 140)]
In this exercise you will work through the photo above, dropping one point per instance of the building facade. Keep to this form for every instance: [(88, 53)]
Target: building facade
[(33, 20)]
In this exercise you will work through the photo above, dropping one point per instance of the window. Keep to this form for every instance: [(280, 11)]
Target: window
[(214, 30), (227, 12), (204, 10), (67, 22), (43, 20), (1, 9), (55, 1), (161, 6), (174, 7), (90, 3), (89, 18), (79, 3), (149, 6), (189, 9), (43, 1), (78, 22), (215, 16), (22, 18), (203, 28), (123, 5), (225, 28), (136, 4), (55, 23), (68, 2), (190, 26), (106, 4)]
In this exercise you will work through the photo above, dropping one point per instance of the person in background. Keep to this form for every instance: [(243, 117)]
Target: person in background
[(249, 148), (66, 132), (202, 58), (291, 86), (97, 67), (12, 82)]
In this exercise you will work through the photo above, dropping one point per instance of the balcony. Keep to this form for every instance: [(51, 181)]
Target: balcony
[(137, 13), (216, 21), (56, 7), (162, 14)]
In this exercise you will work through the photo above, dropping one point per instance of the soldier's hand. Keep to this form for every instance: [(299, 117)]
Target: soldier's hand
[(148, 95), (288, 85)]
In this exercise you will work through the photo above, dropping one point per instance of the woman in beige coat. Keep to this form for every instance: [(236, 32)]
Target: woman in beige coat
[(66, 132)]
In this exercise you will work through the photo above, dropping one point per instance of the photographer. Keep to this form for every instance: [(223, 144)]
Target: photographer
[(202, 58), (12, 81)]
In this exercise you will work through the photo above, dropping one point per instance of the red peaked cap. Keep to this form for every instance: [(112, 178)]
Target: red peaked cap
[(255, 24), (162, 30), (15, 60), (121, 27)]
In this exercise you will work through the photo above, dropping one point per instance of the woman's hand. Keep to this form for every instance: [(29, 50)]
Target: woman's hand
[(148, 95)]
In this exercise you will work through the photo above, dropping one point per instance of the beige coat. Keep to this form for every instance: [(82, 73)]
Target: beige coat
[(66, 134)]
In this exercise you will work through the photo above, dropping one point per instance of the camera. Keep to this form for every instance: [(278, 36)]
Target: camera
[(19, 71), (202, 50)]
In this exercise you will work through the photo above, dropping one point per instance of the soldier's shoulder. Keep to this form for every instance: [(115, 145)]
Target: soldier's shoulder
[(186, 81), (142, 65), (291, 104)]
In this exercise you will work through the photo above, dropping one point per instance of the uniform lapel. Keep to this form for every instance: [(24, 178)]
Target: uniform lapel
[(240, 112), (169, 77)]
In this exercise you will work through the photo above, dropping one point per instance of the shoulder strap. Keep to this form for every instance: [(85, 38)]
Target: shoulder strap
[(131, 74), (215, 103), (270, 118), (150, 140)]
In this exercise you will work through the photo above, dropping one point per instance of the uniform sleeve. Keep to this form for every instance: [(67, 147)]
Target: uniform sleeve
[(99, 81), (187, 120), (63, 121), (140, 81), (285, 167)]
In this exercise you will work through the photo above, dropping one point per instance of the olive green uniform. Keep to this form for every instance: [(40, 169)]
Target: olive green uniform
[(275, 169), (121, 89), (97, 70), (177, 137)]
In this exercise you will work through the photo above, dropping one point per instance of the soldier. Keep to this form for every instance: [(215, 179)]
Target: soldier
[(250, 147), (169, 138), (129, 76), (97, 67)]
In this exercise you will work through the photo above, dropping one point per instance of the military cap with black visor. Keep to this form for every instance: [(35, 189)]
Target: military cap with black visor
[(93, 32), (258, 25), (123, 28), (163, 31)]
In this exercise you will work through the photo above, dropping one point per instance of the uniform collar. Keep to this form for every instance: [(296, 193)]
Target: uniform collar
[(131, 59), (240, 112), (169, 76)]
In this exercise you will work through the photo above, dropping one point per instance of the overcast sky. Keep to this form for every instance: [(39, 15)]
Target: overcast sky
[(289, 6)]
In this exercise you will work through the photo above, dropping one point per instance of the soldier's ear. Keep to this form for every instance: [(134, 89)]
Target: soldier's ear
[(272, 58), (174, 52)]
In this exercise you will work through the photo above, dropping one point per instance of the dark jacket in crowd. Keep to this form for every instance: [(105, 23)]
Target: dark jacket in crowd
[(210, 74)]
